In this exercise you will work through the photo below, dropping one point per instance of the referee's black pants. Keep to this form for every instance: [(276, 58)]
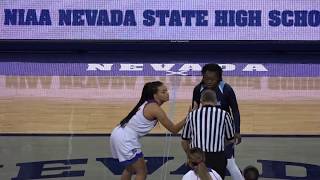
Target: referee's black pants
[(217, 161)]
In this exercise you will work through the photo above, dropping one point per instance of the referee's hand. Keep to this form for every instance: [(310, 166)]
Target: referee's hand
[(237, 138)]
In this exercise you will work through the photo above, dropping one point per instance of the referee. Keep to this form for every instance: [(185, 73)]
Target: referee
[(207, 128)]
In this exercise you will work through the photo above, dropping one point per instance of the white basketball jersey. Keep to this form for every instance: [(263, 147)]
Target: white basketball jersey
[(140, 124)]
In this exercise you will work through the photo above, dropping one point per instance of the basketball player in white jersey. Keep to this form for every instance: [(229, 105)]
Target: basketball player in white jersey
[(199, 170), (124, 140)]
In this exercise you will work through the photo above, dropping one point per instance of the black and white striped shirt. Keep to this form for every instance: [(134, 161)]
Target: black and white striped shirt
[(207, 128)]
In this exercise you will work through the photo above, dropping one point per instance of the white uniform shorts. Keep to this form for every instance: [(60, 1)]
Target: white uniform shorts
[(125, 145)]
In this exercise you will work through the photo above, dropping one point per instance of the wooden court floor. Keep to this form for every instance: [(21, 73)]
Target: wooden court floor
[(29, 113)]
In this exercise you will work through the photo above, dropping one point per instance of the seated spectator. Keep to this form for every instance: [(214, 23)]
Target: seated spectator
[(251, 173), (199, 170)]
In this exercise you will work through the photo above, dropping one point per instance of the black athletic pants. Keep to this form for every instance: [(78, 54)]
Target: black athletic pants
[(217, 161)]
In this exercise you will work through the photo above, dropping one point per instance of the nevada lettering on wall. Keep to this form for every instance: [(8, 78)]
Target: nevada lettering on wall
[(168, 67)]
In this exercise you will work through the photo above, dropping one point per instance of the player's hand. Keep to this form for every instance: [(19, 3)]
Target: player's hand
[(237, 138)]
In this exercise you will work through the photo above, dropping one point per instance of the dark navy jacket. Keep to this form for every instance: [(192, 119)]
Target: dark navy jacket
[(226, 99)]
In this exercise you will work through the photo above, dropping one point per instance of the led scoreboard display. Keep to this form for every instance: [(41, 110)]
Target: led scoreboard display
[(160, 20)]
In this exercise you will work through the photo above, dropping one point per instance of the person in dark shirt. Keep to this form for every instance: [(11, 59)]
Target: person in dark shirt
[(226, 99), (251, 173)]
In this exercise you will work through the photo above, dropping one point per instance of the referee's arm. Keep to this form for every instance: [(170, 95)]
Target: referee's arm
[(186, 135)]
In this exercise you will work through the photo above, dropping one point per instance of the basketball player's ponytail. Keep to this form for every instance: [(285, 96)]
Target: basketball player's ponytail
[(149, 89)]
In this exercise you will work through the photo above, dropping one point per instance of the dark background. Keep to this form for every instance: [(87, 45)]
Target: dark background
[(86, 51)]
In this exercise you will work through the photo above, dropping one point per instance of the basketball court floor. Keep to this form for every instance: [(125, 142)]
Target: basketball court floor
[(89, 157), (57, 126)]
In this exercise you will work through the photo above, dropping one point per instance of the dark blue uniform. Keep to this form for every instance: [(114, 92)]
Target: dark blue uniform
[(227, 101)]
